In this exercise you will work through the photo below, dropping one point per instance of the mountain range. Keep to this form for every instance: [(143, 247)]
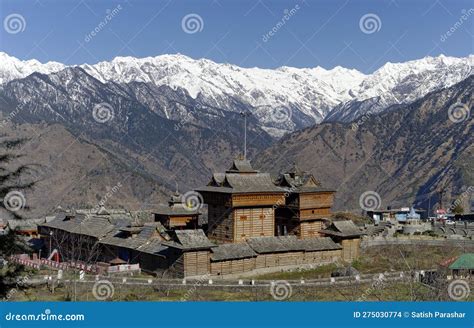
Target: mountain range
[(162, 123), (409, 154), (282, 100)]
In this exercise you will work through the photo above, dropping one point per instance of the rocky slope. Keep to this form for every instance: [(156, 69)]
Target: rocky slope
[(109, 117), (282, 100), (406, 155), (170, 121), (72, 172)]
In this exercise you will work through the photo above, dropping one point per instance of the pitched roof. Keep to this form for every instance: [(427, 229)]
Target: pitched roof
[(117, 260), (176, 209), (343, 228), (241, 178), (263, 245), (241, 166), (90, 226), (91, 222), (319, 244), (130, 243), (190, 240), (153, 246), (299, 181), (243, 183), (176, 206), (232, 252), (465, 261)]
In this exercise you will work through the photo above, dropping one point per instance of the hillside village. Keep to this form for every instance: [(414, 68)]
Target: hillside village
[(255, 225)]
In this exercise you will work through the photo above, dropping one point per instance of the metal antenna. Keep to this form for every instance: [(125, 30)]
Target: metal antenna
[(244, 114)]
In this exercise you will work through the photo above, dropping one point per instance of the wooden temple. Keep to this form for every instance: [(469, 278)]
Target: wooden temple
[(241, 203), (245, 203), (306, 204), (177, 215)]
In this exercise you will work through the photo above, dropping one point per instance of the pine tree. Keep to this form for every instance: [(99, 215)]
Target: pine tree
[(12, 205)]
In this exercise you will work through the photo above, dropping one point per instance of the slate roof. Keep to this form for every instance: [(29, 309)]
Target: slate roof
[(241, 166), (176, 206), (243, 183), (232, 252), (465, 261), (91, 222), (93, 226), (130, 243), (319, 244), (177, 209), (241, 178), (299, 181), (25, 224), (343, 228), (153, 246), (263, 245), (190, 240)]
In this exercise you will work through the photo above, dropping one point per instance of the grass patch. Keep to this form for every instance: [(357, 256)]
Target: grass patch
[(323, 271)]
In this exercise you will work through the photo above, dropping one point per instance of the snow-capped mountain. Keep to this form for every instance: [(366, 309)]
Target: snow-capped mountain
[(313, 92), (12, 68), (282, 100), (402, 83)]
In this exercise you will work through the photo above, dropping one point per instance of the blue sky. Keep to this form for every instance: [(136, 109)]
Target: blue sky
[(323, 33)]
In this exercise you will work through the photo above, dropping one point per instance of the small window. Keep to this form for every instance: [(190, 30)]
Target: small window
[(227, 236)]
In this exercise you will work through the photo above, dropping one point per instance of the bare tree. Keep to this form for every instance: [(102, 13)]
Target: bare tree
[(73, 248)]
